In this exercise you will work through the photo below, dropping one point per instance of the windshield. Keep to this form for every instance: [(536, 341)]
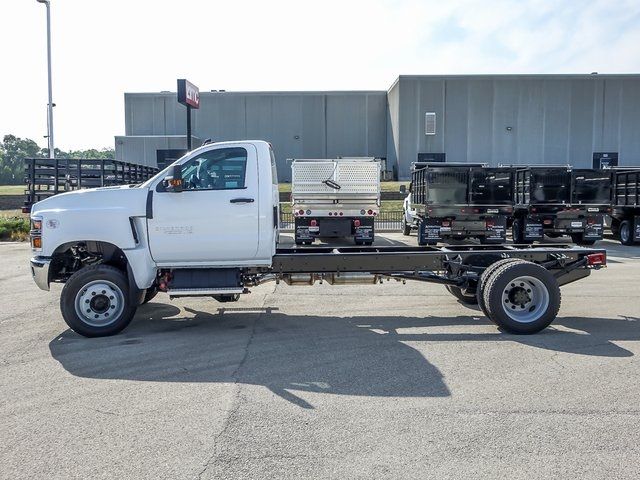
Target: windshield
[(591, 186), (491, 186)]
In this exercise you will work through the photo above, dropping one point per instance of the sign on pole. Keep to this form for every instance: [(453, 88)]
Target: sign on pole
[(188, 95)]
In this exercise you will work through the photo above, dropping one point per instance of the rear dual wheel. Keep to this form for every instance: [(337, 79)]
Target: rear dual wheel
[(519, 296)]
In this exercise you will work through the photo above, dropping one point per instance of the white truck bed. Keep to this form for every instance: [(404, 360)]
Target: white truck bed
[(358, 179)]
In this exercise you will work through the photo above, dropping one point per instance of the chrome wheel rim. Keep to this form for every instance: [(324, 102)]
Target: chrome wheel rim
[(525, 299), (99, 303)]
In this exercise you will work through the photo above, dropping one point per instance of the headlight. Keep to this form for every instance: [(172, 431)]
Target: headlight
[(36, 233)]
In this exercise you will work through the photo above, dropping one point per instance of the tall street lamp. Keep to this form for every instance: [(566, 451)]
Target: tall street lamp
[(50, 104)]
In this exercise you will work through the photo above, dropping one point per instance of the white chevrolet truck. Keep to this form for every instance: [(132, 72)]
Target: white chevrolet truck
[(208, 226)]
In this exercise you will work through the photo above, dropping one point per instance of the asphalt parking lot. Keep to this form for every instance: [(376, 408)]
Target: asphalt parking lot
[(392, 381)]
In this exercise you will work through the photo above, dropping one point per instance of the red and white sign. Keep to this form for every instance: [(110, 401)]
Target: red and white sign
[(188, 93)]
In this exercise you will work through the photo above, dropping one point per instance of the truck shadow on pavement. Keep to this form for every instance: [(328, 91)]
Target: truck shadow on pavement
[(339, 355)]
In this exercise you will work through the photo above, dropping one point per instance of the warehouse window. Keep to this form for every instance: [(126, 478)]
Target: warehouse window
[(430, 123)]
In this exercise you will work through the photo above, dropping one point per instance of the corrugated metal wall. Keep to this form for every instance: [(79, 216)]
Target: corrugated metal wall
[(299, 125), (519, 119), (548, 119)]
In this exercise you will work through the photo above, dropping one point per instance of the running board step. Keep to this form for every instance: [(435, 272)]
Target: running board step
[(203, 292)]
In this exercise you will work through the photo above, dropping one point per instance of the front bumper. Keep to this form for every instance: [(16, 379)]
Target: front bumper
[(40, 271)]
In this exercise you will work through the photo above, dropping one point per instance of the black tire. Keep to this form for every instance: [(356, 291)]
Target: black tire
[(507, 286), (553, 234), (460, 295), (101, 302), (227, 297), (615, 228), (406, 228), (150, 294), (482, 281), (578, 239), (626, 233), (517, 233)]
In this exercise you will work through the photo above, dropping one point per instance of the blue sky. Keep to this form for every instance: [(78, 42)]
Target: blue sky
[(102, 49)]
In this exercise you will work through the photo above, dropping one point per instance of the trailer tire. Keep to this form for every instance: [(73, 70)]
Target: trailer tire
[(579, 239), (484, 278), (460, 295), (626, 233), (96, 301), (522, 297)]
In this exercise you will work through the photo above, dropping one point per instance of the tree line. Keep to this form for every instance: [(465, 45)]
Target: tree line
[(13, 151)]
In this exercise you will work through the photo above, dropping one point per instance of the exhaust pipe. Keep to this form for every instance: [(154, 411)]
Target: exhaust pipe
[(355, 278)]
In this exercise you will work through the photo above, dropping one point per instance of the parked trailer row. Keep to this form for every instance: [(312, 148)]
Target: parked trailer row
[(464, 201), (45, 177), (188, 232)]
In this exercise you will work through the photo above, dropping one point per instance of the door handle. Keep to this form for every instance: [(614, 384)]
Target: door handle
[(241, 200)]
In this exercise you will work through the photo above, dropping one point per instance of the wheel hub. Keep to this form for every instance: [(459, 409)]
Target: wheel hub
[(99, 303), (524, 299)]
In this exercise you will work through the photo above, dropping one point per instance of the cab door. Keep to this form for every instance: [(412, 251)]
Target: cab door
[(214, 220)]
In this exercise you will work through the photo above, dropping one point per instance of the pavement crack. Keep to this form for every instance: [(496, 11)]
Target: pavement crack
[(237, 399)]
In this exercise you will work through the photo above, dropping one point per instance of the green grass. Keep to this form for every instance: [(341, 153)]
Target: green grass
[(14, 228), (12, 189)]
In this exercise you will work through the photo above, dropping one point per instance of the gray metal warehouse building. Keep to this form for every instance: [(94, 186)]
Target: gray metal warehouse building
[(498, 119)]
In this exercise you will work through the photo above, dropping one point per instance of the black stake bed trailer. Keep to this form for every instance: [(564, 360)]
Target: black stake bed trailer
[(458, 200), (517, 287), (556, 201), (625, 217)]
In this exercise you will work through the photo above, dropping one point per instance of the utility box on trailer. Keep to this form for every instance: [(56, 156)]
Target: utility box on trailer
[(556, 201), (335, 198), (461, 201)]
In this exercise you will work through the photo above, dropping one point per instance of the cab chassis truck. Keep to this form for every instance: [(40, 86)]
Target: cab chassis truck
[(115, 248), (556, 201), (625, 215), (461, 200)]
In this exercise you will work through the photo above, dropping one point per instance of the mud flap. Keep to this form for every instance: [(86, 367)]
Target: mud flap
[(429, 231), (498, 231), (594, 231), (302, 232), (364, 232), (636, 228), (532, 228)]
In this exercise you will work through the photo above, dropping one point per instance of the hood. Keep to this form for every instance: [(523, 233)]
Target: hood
[(128, 199)]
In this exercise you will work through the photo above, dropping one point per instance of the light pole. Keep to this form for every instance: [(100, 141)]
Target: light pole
[(50, 104)]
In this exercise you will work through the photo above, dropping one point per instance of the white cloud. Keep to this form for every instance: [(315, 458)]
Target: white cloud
[(102, 49)]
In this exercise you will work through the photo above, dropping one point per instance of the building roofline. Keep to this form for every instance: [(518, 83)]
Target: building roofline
[(270, 92), (521, 76)]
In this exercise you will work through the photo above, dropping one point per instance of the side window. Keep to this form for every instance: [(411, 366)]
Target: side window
[(274, 171), (221, 169)]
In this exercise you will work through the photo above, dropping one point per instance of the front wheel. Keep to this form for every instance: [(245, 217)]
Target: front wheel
[(406, 228), (95, 301), (227, 297)]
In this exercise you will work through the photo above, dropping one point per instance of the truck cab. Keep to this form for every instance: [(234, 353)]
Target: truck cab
[(215, 207)]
